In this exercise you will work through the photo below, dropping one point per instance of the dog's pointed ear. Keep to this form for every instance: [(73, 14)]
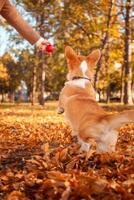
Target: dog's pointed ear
[(94, 57), (70, 53)]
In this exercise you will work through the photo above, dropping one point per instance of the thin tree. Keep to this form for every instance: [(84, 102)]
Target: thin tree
[(104, 42), (127, 98)]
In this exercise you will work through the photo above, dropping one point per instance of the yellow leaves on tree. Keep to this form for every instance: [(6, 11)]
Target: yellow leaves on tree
[(3, 73)]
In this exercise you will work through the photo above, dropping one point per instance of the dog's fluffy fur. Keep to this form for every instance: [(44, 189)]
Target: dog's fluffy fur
[(78, 101)]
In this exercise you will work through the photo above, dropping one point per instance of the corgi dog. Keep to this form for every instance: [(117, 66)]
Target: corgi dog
[(86, 117)]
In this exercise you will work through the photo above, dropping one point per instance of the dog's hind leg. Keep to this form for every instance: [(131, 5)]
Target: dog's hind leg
[(107, 142), (84, 146)]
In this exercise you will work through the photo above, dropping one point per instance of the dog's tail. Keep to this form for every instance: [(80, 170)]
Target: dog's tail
[(117, 120)]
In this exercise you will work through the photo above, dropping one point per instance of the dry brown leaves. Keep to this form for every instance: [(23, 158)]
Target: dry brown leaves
[(39, 160)]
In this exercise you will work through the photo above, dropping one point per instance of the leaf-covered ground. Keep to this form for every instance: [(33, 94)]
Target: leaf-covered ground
[(39, 160)]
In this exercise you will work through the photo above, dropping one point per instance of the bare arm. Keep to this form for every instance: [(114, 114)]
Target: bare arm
[(12, 16)]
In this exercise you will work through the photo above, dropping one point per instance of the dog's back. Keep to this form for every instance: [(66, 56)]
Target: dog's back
[(77, 99)]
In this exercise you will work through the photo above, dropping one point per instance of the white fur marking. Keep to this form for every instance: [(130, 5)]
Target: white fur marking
[(78, 82), (84, 146), (84, 67)]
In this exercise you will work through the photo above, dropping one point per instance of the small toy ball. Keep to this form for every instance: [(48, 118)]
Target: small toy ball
[(49, 48)]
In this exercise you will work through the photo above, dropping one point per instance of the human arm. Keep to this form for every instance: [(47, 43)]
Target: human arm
[(10, 13)]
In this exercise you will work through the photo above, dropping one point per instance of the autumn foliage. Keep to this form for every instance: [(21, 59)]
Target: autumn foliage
[(39, 159)]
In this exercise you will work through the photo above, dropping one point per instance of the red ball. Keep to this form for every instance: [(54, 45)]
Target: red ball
[(49, 48)]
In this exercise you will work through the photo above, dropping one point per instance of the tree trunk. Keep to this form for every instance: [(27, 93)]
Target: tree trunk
[(11, 96), (122, 84), (2, 97), (42, 84), (127, 99), (40, 21), (107, 63), (104, 43), (33, 99), (108, 94)]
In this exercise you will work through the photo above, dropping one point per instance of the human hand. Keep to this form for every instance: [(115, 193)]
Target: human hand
[(44, 46)]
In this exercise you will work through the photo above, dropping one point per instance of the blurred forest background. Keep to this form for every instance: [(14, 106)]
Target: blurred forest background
[(84, 25)]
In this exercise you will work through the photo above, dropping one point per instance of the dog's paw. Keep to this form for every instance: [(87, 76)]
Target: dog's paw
[(84, 147), (60, 110)]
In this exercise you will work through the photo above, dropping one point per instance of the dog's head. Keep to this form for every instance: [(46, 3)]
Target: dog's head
[(81, 66)]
